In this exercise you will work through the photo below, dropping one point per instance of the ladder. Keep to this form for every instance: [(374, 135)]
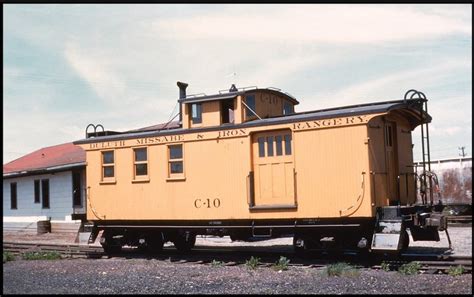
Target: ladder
[(425, 144)]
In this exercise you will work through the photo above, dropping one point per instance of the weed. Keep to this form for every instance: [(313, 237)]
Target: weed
[(385, 266), (410, 268), (41, 256), (341, 269), (253, 262), (216, 263), (282, 263), (7, 256), (455, 271)]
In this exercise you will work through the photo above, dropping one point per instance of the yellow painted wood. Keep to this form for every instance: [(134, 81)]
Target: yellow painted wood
[(273, 172), (336, 170)]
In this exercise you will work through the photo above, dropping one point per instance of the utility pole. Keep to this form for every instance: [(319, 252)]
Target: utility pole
[(463, 154)]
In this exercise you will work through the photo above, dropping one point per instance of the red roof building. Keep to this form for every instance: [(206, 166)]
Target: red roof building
[(55, 157)]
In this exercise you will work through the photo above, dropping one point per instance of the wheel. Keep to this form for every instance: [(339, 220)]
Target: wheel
[(154, 242), (109, 243), (299, 245), (184, 241), (112, 249), (405, 240), (305, 246)]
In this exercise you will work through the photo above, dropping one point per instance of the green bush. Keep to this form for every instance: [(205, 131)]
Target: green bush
[(385, 266), (216, 263), (253, 262), (282, 263), (41, 256), (7, 256), (341, 269), (456, 270), (410, 268)]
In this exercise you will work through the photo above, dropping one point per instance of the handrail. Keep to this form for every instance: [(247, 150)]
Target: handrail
[(90, 205), (359, 200)]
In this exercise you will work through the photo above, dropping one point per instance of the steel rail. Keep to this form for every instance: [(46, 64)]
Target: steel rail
[(235, 255)]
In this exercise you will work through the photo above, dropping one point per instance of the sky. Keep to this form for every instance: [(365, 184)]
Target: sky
[(68, 65)]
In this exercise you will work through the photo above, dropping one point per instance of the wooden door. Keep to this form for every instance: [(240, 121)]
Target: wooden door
[(391, 161), (273, 168)]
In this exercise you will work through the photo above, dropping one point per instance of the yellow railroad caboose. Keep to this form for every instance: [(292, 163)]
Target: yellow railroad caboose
[(243, 163)]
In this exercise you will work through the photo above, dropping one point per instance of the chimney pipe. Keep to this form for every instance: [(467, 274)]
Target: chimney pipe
[(182, 95), (182, 89)]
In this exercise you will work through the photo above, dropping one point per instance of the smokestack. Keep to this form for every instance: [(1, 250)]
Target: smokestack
[(182, 95), (182, 89)]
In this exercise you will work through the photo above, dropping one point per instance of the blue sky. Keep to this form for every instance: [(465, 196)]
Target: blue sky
[(66, 66)]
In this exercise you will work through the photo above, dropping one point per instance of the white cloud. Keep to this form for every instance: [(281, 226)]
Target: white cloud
[(103, 80), (389, 87), (312, 23), (133, 60)]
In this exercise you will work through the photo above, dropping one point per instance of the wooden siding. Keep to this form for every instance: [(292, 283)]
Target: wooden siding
[(60, 196), (331, 164)]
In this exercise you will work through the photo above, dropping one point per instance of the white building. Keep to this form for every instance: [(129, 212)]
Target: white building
[(46, 184), (454, 176)]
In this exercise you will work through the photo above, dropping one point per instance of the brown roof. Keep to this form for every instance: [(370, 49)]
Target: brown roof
[(57, 155)]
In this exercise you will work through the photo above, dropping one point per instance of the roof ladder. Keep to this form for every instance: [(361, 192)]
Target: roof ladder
[(425, 147)]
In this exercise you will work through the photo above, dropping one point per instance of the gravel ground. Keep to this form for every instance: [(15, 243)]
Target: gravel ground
[(143, 276), (150, 276)]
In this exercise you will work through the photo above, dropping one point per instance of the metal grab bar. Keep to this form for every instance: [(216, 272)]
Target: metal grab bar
[(359, 200), (250, 190), (90, 205)]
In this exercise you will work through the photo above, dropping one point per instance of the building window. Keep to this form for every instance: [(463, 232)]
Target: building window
[(196, 113), (250, 101), (279, 147), (270, 146), (13, 196), (108, 165), (45, 192), (287, 108), (227, 111), (76, 189), (175, 160), (287, 144), (141, 161), (37, 191), (261, 147), (388, 136)]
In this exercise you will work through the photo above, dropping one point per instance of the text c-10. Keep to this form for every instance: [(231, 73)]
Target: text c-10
[(207, 203)]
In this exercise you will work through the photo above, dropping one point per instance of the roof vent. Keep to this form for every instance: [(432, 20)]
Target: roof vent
[(233, 88)]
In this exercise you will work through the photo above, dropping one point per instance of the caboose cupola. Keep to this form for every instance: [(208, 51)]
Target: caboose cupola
[(233, 106)]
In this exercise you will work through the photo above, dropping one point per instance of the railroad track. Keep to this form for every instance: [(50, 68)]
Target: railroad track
[(460, 221), (232, 256)]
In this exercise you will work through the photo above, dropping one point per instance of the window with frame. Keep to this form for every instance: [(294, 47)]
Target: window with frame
[(13, 196), (37, 191), (45, 192), (388, 136), (250, 101), (108, 165), (277, 145), (175, 160), (196, 113), (287, 108), (140, 162)]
